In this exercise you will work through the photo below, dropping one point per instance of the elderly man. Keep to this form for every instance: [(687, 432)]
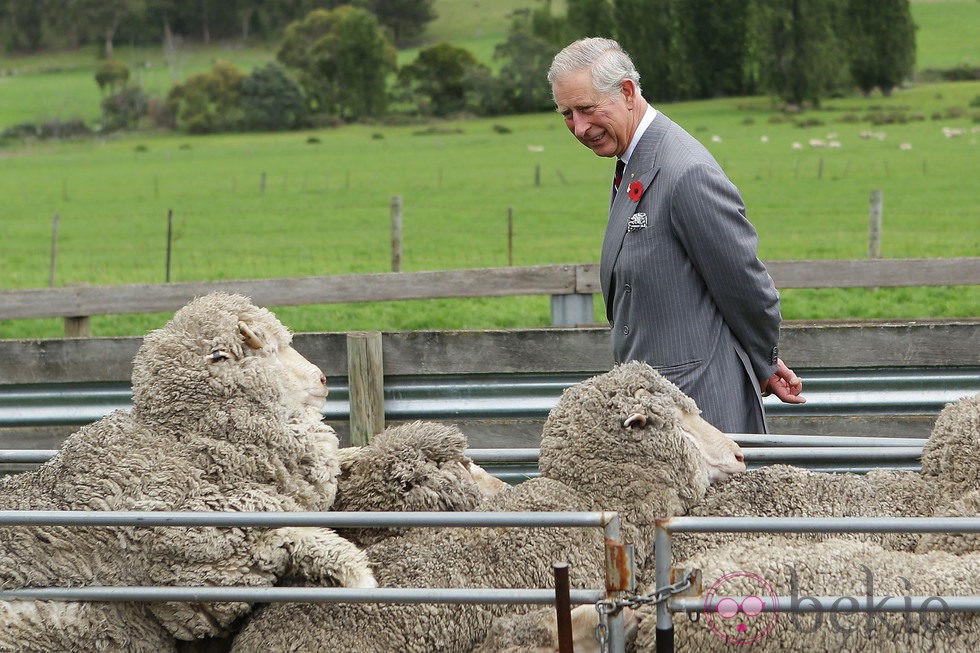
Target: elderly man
[(684, 288)]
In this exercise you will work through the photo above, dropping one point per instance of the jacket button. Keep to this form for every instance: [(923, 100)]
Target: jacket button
[(626, 329), (627, 288)]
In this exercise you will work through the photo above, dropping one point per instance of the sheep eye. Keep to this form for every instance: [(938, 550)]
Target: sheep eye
[(407, 485), (217, 355)]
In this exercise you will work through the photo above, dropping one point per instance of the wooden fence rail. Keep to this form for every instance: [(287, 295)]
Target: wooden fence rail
[(571, 283)]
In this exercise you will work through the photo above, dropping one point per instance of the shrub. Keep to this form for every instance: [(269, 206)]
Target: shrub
[(111, 73), (271, 100), (209, 102), (124, 109)]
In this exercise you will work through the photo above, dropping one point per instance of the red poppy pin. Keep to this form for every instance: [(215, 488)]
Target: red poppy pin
[(635, 190)]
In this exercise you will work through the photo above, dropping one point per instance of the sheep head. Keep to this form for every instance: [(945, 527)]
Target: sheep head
[(222, 350), (420, 466), (950, 455), (632, 435)]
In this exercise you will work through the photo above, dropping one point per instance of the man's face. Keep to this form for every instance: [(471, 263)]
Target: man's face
[(602, 123)]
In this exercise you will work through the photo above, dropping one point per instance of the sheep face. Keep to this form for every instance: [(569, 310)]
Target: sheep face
[(220, 349), (721, 454), (634, 433)]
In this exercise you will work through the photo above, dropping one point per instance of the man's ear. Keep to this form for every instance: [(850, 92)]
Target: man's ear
[(628, 89)]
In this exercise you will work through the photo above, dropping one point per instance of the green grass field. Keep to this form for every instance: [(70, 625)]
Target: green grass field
[(325, 209)]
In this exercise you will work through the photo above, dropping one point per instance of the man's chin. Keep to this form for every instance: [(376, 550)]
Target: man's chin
[(602, 149)]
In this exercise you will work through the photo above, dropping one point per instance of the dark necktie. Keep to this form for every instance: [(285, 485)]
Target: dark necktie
[(620, 166)]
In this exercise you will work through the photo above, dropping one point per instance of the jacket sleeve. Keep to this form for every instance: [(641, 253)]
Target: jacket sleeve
[(708, 217)]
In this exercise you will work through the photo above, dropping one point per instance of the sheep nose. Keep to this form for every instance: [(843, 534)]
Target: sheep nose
[(739, 456), (323, 379)]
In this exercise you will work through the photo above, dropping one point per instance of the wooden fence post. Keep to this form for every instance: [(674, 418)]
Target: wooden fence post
[(78, 327), (396, 233), (510, 236), (54, 250), (874, 228), (365, 377), (170, 241)]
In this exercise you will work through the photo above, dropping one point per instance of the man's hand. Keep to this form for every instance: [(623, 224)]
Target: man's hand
[(784, 384)]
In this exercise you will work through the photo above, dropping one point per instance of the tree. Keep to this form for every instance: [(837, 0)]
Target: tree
[(799, 55), (342, 57), (649, 30), (441, 77), (405, 18), (271, 100), (105, 16), (21, 25), (712, 36), (522, 85), (589, 18), (209, 102), (881, 43)]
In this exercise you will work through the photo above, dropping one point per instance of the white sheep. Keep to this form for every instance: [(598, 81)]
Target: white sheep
[(949, 474), (418, 466), (763, 568), (414, 467), (225, 417), (537, 631), (949, 459), (627, 440)]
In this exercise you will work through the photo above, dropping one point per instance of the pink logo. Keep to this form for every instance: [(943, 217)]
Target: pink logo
[(741, 608)]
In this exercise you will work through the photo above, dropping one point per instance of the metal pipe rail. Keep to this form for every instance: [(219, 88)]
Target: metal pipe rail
[(147, 518), (470, 396), (782, 448), (609, 521), (664, 561), (408, 595), (834, 604)]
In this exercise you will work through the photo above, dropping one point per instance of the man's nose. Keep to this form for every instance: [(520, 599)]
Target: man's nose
[(580, 125)]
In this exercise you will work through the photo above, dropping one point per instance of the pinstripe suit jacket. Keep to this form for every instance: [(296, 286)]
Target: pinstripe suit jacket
[(683, 285)]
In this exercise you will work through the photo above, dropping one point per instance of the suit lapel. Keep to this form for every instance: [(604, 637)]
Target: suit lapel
[(642, 167)]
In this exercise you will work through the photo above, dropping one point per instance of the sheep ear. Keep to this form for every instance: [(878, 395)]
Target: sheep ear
[(251, 339)]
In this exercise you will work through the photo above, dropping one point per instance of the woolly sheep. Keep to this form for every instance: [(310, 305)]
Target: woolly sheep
[(764, 567), (225, 417), (949, 458), (786, 491), (537, 631), (949, 474), (415, 467), (627, 440), (950, 455)]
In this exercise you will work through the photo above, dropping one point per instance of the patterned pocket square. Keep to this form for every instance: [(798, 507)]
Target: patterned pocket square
[(637, 221)]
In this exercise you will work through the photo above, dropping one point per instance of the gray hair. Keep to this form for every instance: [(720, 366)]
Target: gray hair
[(605, 58)]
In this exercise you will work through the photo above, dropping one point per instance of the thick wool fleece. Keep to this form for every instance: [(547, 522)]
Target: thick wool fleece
[(229, 434), (786, 491), (830, 568), (967, 505), (589, 461), (82, 628), (415, 467), (949, 485), (950, 455)]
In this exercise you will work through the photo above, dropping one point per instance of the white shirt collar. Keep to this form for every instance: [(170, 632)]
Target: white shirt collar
[(645, 121)]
